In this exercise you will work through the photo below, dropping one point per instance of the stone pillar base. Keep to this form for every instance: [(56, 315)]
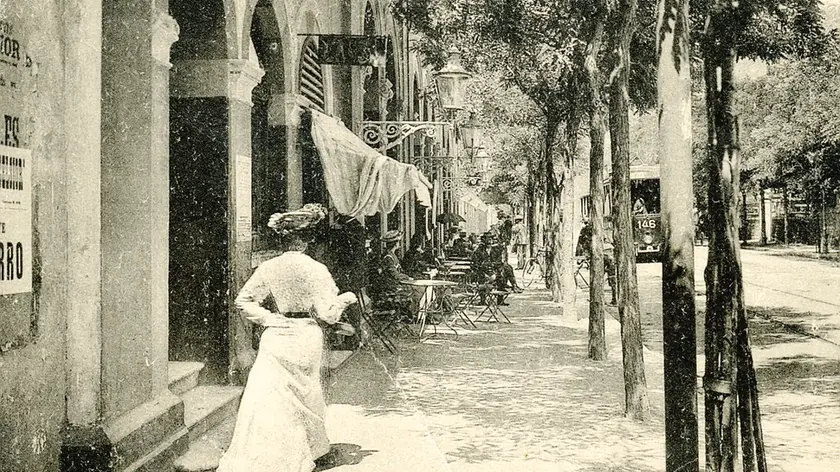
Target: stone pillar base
[(147, 438), (86, 449)]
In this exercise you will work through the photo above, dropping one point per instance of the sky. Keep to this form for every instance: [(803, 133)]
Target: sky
[(832, 13)]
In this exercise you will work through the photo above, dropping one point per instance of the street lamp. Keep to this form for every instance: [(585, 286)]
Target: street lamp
[(450, 82), (471, 135), (482, 160)]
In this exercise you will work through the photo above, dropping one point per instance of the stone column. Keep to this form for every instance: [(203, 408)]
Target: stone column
[(83, 81), (243, 76), (84, 446), (135, 213), (164, 34), (285, 110)]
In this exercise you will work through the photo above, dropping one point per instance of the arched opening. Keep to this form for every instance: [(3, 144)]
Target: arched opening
[(391, 106), (268, 139), (419, 148), (202, 29), (199, 242)]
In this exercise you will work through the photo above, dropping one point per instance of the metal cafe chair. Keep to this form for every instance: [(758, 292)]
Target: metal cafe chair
[(493, 310), (379, 321), (582, 264)]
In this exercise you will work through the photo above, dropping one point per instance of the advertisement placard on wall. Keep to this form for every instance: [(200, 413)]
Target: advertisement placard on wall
[(15, 220), (19, 280)]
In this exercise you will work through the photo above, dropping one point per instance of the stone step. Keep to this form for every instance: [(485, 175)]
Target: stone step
[(183, 376), (205, 452), (163, 456), (207, 406), (156, 425)]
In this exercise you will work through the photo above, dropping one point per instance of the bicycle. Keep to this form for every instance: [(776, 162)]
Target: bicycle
[(582, 275), (542, 261)]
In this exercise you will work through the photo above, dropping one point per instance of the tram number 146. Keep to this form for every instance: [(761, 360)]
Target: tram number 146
[(646, 223)]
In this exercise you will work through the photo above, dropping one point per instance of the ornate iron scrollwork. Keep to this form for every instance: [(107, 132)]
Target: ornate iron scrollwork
[(384, 135)]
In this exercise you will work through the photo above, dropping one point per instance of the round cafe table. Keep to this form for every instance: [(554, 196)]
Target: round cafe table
[(436, 292)]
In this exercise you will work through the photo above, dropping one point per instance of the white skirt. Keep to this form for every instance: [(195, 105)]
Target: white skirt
[(280, 424)]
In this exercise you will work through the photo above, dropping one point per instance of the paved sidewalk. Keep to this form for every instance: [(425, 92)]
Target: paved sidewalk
[(522, 397), (371, 426), (504, 397)]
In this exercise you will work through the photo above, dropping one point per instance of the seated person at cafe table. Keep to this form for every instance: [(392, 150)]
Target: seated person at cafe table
[(386, 291), (488, 269), (505, 270), (420, 257), (459, 246)]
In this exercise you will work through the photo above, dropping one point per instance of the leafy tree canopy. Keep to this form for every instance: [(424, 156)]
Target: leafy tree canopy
[(768, 30), (531, 44), (791, 130), (512, 128)]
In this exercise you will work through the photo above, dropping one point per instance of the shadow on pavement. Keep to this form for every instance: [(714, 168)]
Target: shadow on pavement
[(508, 393), (787, 361), (802, 322), (342, 454)]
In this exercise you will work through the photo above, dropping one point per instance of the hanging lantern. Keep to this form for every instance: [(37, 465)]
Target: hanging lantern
[(471, 135), (450, 82), (482, 160)]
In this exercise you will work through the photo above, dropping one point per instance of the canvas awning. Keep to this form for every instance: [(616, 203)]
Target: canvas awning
[(360, 180)]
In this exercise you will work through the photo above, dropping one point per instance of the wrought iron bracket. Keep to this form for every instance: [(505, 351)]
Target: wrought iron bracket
[(431, 164), (385, 135)]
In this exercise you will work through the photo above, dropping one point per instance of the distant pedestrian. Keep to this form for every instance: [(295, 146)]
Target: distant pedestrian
[(519, 240)]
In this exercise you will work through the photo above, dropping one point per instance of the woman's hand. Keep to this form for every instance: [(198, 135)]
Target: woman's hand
[(344, 329)]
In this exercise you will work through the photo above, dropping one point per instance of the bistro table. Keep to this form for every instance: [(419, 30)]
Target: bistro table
[(437, 292)]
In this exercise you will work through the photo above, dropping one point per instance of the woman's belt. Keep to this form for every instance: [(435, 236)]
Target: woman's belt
[(296, 314)]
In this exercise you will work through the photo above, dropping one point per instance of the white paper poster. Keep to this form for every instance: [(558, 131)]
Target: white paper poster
[(243, 198), (15, 220)]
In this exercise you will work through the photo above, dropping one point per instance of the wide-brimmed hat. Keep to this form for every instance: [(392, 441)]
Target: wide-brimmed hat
[(518, 218), (392, 236), (303, 218)]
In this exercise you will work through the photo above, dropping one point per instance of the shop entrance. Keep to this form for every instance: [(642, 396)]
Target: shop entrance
[(198, 200), (227, 175)]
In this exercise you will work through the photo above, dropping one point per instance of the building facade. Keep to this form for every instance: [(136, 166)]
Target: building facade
[(160, 136)]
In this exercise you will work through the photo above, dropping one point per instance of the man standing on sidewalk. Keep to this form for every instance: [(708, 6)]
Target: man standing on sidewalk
[(518, 241)]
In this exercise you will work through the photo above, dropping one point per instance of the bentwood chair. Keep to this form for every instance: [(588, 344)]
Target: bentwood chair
[(379, 321)]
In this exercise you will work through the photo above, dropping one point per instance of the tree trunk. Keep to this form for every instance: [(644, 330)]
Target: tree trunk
[(761, 215), (636, 404), (597, 337), (679, 337), (729, 382), (823, 225), (567, 247), (745, 219), (563, 276), (554, 188), (787, 210), (530, 204)]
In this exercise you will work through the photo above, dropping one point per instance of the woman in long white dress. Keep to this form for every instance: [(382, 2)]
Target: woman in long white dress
[(280, 424)]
